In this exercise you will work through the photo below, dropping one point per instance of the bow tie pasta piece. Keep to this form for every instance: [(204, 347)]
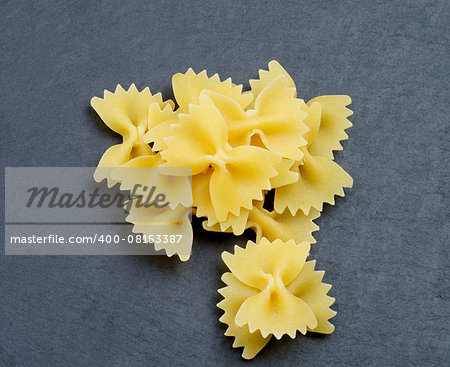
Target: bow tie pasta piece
[(272, 290), (320, 179), (333, 109), (270, 225), (270, 268), (277, 118), (199, 141), (333, 124), (187, 88), (126, 113)]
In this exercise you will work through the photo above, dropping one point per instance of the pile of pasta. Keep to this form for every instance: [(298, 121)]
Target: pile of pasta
[(239, 146)]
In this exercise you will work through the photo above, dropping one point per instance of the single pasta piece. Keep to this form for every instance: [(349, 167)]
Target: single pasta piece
[(273, 290), (126, 113), (319, 179), (239, 174), (277, 118)]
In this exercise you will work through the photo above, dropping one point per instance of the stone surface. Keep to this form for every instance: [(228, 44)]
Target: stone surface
[(385, 246)]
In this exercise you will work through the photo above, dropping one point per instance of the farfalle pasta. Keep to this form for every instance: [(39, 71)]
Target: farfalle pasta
[(272, 291), (319, 177), (277, 117), (239, 145), (229, 148), (126, 113), (200, 141)]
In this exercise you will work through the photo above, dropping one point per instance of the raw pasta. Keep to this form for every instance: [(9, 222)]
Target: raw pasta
[(272, 290), (125, 112), (236, 146), (270, 225), (131, 113), (188, 87), (165, 222), (319, 178), (199, 141), (277, 118)]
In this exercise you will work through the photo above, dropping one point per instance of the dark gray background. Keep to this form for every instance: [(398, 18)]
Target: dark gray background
[(384, 246)]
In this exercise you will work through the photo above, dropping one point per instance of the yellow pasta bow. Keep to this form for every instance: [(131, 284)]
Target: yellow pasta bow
[(277, 118), (126, 113), (272, 290), (199, 141), (319, 177)]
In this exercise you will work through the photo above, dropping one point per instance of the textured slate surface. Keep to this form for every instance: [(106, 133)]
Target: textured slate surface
[(385, 246)]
